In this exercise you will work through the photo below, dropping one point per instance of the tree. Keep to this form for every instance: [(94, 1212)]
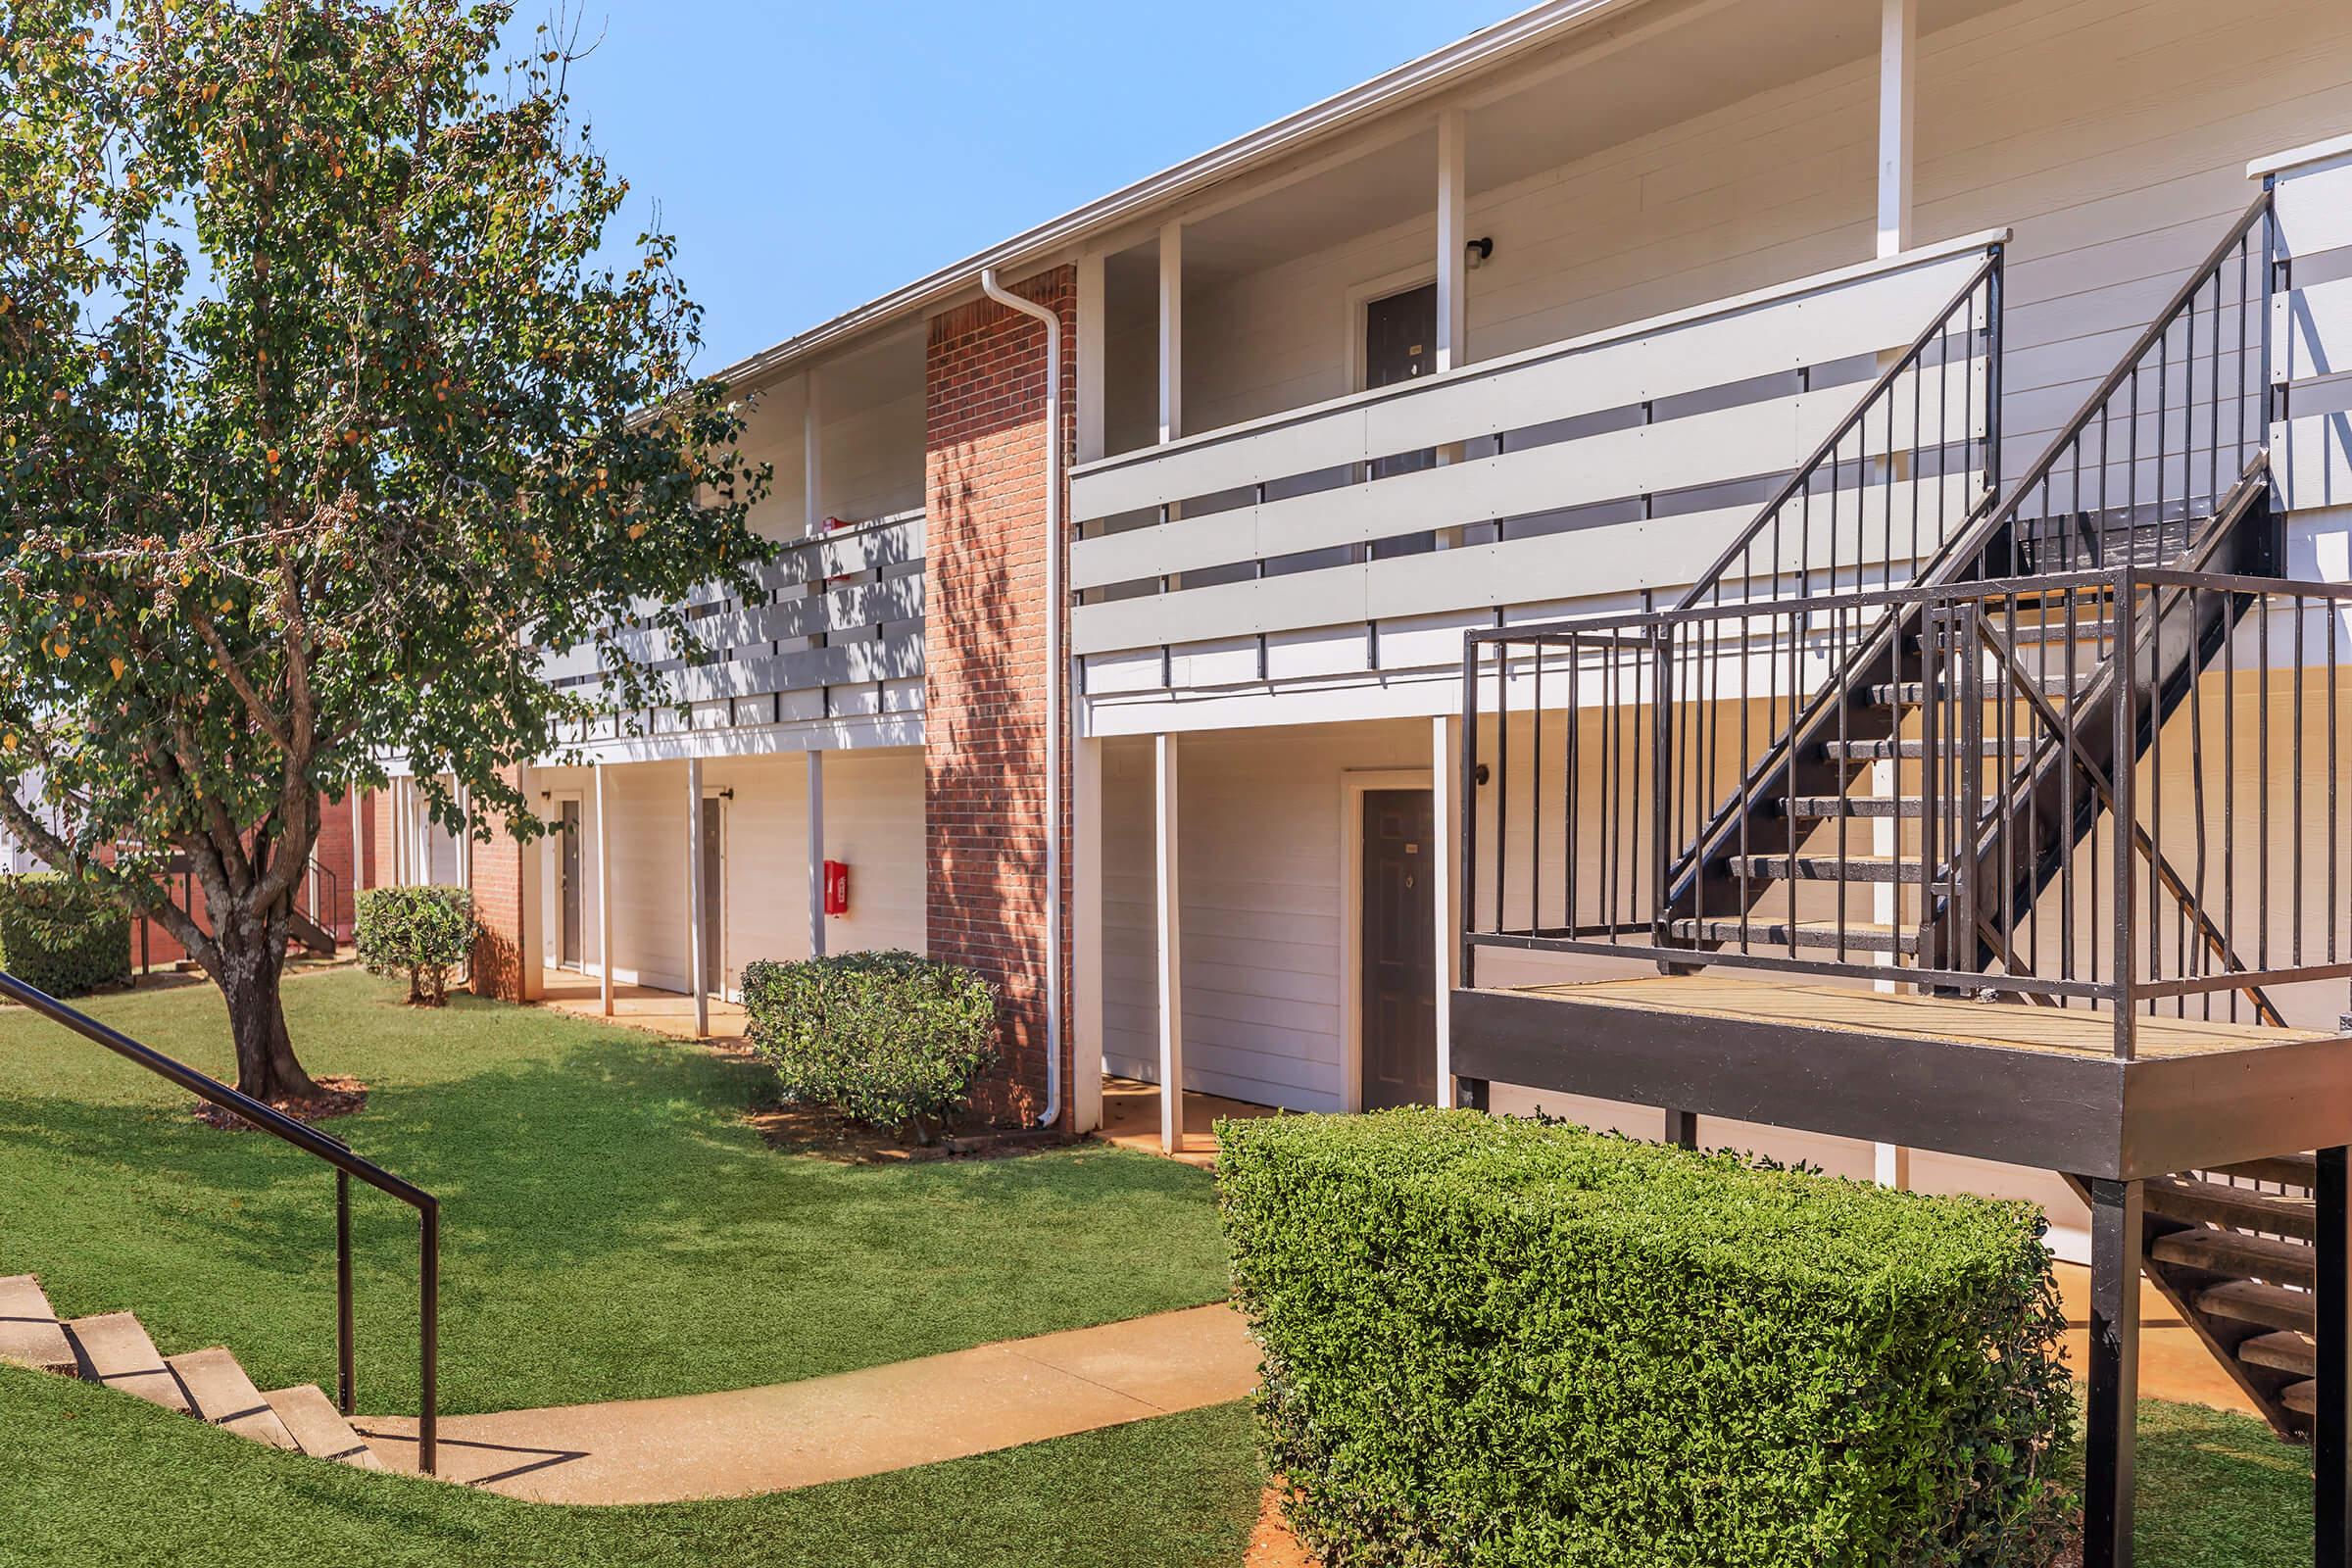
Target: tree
[(321, 414)]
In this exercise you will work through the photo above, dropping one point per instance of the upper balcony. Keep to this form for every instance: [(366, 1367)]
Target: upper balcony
[(1362, 536), (827, 649)]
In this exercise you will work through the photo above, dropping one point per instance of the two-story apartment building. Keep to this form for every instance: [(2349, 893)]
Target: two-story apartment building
[(1526, 329)]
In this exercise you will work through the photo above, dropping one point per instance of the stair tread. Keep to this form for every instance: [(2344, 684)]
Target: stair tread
[(1879, 751), (2289, 1170), (2281, 1350), (1826, 867), (29, 1332), (2272, 1306), (2229, 1252), (114, 1349), (222, 1396), (2301, 1397), (2208, 1202), (1863, 935), (318, 1429), (1821, 807)]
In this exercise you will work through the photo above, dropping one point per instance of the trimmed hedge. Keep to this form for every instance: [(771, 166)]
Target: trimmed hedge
[(61, 934), (887, 1038), (1493, 1342), (420, 932)]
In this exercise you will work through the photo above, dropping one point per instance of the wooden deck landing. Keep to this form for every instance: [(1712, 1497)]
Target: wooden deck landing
[(2035, 1086), (2012, 1025)]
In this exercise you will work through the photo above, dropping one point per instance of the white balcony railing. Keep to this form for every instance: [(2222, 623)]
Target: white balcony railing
[(840, 611), (1366, 533)]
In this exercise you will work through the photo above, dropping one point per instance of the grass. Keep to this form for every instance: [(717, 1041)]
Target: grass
[(97, 1477), (98, 1480), (612, 1228)]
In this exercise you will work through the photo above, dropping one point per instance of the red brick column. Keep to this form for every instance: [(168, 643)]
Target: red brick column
[(984, 693), (500, 876)]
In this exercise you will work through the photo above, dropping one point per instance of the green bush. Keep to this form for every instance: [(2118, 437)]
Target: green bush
[(61, 934), (885, 1038), (421, 932), (1492, 1341)]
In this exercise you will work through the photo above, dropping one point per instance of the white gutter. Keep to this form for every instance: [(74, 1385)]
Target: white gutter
[(1054, 745), (1415, 80)]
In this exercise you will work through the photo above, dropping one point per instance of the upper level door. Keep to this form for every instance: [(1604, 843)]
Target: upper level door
[(1401, 344)]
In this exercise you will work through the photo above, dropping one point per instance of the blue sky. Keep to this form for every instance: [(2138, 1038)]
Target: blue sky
[(811, 156)]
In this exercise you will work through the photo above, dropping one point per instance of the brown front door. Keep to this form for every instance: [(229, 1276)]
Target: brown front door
[(567, 872), (714, 900), (1401, 344), (1400, 1001)]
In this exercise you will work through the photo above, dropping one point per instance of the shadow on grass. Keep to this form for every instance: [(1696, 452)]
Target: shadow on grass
[(613, 1227)]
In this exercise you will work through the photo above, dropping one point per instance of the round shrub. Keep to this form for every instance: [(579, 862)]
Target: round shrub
[(423, 933), (61, 934), (885, 1038)]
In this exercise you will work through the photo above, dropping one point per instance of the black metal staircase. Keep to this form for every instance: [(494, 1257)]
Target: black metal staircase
[(2039, 750)]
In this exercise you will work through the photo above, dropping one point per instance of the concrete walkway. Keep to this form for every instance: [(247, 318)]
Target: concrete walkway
[(855, 1424)]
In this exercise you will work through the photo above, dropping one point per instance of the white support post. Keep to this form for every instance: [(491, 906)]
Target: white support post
[(1086, 932), (1170, 971), (812, 453), (604, 891), (1898, 51), (1453, 240), (1898, 80), (358, 847), (1092, 361), (1171, 331), (1443, 788), (816, 854), (465, 843), (696, 935)]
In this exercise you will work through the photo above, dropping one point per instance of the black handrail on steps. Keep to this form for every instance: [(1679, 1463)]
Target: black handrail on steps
[(321, 1146)]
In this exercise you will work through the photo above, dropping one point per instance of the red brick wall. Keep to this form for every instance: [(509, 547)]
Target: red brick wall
[(153, 947), (498, 899), (985, 746)]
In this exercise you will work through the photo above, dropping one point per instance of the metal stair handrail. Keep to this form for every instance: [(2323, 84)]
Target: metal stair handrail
[(319, 1146)]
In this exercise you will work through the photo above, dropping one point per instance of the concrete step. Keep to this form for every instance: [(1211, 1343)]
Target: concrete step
[(2281, 1352), (2257, 1257), (29, 1332), (221, 1393), (113, 1349), (319, 1429)]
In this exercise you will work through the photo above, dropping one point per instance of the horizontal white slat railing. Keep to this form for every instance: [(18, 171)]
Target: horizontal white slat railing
[(2310, 327), (840, 610), (1607, 465)]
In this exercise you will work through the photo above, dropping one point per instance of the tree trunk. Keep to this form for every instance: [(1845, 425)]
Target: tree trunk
[(253, 961)]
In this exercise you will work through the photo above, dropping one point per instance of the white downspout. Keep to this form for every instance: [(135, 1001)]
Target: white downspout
[(1053, 736)]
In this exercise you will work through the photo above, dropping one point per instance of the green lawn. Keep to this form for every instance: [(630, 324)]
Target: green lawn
[(97, 1480), (611, 1227)]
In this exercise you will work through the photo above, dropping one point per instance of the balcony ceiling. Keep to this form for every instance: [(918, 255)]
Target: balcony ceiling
[(1711, 56)]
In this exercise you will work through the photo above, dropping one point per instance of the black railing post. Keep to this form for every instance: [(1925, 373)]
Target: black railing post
[(347, 1389), (2332, 1419), (2112, 1407), (2125, 759), (1661, 675), (428, 1339)]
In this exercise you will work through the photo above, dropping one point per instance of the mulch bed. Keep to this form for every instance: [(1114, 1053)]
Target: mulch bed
[(812, 1129), (337, 1096)]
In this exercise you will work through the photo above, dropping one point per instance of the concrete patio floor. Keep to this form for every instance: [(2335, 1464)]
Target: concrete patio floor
[(1131, 1119), (669, 1013)]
